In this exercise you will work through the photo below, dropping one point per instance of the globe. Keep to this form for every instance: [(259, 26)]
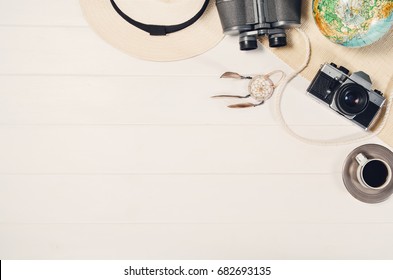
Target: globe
[(353, 23)]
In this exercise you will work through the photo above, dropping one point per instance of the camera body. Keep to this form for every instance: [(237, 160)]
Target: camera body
[(252, 18), (350, 95)]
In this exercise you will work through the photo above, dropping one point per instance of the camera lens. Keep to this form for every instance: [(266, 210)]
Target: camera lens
[(248, 43), (277, 40), (352, 99)]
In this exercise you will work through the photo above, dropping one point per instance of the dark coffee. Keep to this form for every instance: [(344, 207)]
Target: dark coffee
[(375, 173)]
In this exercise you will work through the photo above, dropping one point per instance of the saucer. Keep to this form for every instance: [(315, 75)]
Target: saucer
[(351, 182)]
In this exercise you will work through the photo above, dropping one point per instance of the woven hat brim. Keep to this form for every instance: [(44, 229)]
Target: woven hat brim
[(194, 40)]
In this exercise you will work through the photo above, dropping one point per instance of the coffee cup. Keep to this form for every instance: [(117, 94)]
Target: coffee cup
[(373, 173)]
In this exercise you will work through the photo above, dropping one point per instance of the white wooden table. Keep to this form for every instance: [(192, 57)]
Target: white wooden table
[(104, 156)]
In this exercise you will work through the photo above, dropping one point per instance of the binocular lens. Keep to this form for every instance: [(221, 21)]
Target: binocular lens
[(277, 40), (248, 43)]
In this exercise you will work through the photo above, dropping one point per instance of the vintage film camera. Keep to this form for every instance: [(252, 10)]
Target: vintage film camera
[(348, 95), (252, 18)]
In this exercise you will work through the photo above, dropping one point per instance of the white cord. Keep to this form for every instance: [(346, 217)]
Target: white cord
[(330, 142)]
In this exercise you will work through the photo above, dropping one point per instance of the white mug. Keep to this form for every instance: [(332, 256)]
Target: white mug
[(373, 173)]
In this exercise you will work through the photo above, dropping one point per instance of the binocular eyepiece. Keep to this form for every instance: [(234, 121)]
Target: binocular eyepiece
[(249, 42)]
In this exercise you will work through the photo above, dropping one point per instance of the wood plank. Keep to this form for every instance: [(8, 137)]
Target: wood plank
[(165, 149), (167, 199), (179, 241), (41, 13), (147, 100), (79, 51)]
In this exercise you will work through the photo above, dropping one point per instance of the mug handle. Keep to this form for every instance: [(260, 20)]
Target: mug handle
[(361, 159)]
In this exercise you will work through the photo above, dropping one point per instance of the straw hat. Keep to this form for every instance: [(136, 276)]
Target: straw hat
[(109, 19)]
